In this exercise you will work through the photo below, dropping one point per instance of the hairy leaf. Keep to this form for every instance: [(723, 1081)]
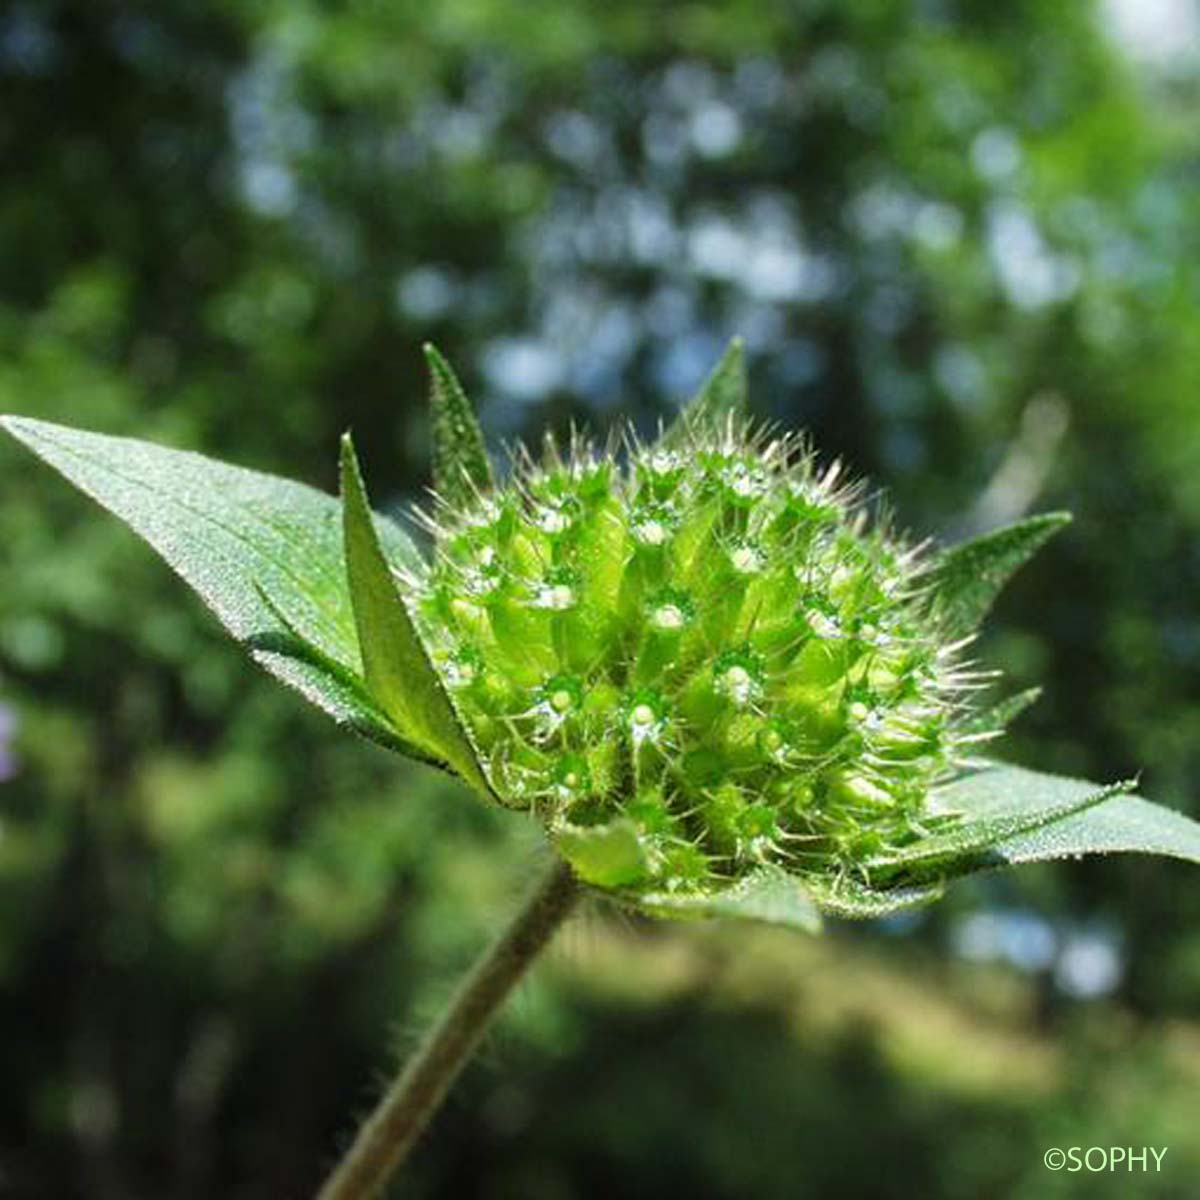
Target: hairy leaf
[(768, 894), (857, 900), (460, 462), (979, 831), (968, 577), (722, 393), (398, 671), (609, 856), (347, 687), (1119, 824), (237, 536), (1004, 712)]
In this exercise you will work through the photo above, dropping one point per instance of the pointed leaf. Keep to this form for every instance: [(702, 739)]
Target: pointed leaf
[(609, 856), (233, 535), (722, 394), (1004, 712), (977, 831), (768, 894), (330, 680), (399, 675), (460, 462), (858, 901), (1121, 824), (968, 577)]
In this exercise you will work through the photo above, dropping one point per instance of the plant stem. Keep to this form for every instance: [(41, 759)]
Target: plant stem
[(388, 1134)]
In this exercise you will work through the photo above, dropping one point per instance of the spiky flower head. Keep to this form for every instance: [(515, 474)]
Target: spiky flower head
[(697, 659), (711, 644)]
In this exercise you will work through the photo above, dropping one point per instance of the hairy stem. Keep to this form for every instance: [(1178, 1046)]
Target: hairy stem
[(389, 1132)]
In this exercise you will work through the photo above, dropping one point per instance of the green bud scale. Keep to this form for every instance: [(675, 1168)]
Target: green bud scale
[(711, 647)]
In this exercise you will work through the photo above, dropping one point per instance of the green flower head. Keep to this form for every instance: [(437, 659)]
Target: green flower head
[(709, 666), (705, 653)]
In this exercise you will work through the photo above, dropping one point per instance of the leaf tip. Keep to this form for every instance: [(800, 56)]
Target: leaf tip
[(1043, 526), (733, 361), (348, 458), (355, 504), (1058, 519), (439, 366), (460, 462)]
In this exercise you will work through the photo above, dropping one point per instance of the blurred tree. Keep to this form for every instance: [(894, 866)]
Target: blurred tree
[(960, 242)]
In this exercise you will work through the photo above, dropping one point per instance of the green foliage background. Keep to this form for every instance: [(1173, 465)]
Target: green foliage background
[(960, 240)]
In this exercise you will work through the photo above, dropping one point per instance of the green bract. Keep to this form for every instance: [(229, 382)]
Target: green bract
[(722, 684)]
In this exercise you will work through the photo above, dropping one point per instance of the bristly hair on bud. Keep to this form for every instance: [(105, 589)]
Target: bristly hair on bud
[(696, 659)]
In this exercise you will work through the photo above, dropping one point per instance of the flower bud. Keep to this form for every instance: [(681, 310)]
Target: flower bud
[(708, 644)]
